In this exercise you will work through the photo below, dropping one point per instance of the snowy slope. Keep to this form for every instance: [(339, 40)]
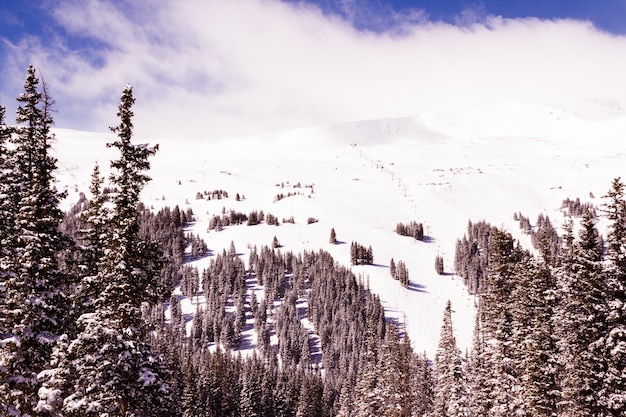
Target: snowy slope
[(362, 178)]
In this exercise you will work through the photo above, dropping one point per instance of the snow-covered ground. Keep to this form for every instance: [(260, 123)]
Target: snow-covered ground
[(362, 178)]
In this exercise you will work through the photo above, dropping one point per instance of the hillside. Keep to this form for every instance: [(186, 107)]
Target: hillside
[(362, 178)]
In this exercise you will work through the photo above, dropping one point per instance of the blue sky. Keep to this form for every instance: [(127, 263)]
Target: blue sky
[(23, 17), (214, 68), (609, 15)]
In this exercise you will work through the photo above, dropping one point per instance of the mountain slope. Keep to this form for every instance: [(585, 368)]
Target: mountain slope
[(363, 178)]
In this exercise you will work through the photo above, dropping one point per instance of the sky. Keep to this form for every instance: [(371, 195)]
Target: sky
[(215, 68)]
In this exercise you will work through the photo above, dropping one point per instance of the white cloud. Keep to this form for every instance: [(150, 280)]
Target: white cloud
[(238, 67)]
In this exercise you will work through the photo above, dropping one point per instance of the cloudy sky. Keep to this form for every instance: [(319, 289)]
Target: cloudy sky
[(216, 68)]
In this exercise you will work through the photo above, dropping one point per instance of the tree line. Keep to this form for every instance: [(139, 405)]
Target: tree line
[(550, 330)]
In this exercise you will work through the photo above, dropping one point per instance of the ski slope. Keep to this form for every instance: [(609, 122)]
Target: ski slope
[(362, 178)]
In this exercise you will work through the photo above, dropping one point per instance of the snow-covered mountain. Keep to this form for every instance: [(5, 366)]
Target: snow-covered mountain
[(362, 178)]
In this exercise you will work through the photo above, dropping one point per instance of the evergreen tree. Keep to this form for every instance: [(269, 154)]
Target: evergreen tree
[(497, 326), (113, 368), (532, 305), (479, 401), (450, 388), (95, 221), (8, 235), (7, 223), (310, 401), (249, 400), (439, 265), (581, 321), (35, 289), (333, 236), (422, 385), (6, 200), (613, 343), (286, 393), (368, 400), (402, 274), (395, 374)]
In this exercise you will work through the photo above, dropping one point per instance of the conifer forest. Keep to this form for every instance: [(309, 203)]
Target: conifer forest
[(92, 324)]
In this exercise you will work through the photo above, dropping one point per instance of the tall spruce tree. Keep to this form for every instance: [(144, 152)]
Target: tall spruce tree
[(451, 398), (496, 326), (422, 384), (581, 321), (368, 399), (114, 372), (395, 374), (6, 212), (91, 242), (7, 247), (479, 401), (535, 354), (34, 287), (613, 343)]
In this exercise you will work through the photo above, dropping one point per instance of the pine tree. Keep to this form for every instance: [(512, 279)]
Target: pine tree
[(368, 400), (613, 343), (34, 287), (581, 321), (422, 383), (310, 401), (6, 213), (6, 201), (114, 370), (479, 401), (439, 265), (535, 352), (497, 326), (8, 236), (333, 236), (395, 372), (286, 393), (402, 274), (95, 221), (450, 388), (249, 400)]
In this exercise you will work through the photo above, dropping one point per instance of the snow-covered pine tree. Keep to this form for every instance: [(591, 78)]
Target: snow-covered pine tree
[(114, 369), (497, 325), (96, 225), (532, 306), (422, 385), (34, 299), (395, 374), (367, 399), (7, 222), (479, 401), (57, 381), (6, 202), (581, 321), (310, 400), (250, 396), (8, 234), (613, 343), (451, 398)]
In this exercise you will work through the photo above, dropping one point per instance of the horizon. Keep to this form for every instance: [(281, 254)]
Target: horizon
[(249, 67)]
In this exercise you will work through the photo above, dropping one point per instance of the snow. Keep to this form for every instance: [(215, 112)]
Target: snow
[(362, 178), (147, 377)]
